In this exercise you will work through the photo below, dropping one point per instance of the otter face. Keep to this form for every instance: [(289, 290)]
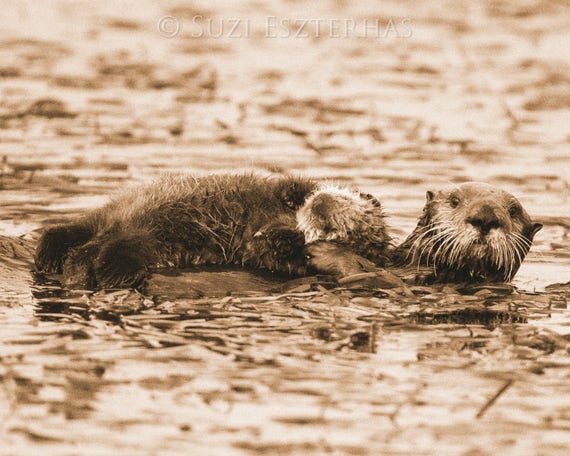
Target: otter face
[(332, 213), (344, 217), (473, 231)]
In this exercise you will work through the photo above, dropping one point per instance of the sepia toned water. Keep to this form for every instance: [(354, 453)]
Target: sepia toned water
[(394, 98)]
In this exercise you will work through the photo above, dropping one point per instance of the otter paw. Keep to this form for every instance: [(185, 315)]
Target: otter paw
[(379, 279), (336, 259), (123, 262), (278, 248), (293, 191), (55, 243)]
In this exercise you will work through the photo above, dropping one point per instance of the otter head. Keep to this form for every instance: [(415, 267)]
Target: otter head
[(336, 214), (474, 231)]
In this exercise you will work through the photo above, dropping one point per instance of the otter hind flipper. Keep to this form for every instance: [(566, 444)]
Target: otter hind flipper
[(124, 260), (116, 260), (77, 268), (55, 244)]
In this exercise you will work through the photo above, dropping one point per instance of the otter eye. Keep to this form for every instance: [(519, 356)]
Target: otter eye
[(454, 201), (514, 210)]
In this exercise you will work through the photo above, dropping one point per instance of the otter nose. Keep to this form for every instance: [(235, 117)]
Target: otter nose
[(484, 219)]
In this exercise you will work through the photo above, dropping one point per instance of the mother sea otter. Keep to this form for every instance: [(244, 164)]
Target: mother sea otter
[(471, 232)]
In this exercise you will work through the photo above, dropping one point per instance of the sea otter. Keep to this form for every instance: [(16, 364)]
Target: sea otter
[(471, 232), (232, 219), (345, 230), (291, 225)]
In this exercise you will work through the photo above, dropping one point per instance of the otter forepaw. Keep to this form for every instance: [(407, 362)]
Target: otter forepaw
[(278, 248), (55, 243)]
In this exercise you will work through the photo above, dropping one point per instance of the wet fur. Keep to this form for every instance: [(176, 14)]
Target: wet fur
[(347, 219), (236, 220), (179, 221), (286, 225), (472, 232)]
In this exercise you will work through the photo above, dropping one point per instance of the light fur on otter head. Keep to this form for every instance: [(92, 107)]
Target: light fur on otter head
[(333, 213), (473, 231), (348, 218)]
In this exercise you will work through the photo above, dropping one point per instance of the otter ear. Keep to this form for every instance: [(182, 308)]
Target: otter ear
[(430, 196), (536, 228)]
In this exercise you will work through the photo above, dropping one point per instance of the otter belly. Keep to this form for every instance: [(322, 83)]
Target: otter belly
[(179, 221)]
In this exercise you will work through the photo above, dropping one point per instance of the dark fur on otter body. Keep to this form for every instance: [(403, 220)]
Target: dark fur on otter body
[(291, 225), (179, 221), (472, 232)]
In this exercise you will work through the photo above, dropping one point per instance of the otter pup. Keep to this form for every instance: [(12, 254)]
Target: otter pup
[(472, 232), (179, 221), (345, 231)]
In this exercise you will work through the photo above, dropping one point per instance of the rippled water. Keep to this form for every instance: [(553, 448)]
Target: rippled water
[(96, 98)]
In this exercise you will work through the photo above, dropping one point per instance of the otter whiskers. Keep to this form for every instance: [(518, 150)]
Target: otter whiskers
[(439, 244)]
